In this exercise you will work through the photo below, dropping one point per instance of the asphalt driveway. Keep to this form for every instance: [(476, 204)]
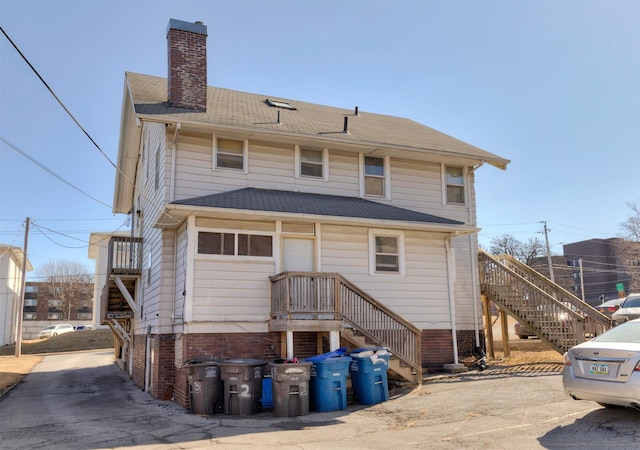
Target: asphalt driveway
[(83, 401)]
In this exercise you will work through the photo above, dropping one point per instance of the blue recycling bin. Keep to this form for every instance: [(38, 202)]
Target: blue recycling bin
[(328, 382), (368, 369)]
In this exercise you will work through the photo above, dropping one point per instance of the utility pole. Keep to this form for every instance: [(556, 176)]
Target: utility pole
[(546, 238), (22, 291), (581, 280)]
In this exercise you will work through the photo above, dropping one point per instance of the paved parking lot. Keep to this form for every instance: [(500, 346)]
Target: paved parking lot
[(83, 401)]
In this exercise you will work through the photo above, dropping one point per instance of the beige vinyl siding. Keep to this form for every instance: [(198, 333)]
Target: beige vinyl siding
[(421, 295), (153, 282), (232, 289)]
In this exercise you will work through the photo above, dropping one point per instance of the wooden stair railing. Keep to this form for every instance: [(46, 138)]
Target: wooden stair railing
[(330, 295), (555, 315)]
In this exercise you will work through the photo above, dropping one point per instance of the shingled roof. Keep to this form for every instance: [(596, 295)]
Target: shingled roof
[(267, 200), (242, 110)]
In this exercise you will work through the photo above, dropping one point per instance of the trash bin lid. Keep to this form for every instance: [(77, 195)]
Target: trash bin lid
[(201, 362), (243, 362)]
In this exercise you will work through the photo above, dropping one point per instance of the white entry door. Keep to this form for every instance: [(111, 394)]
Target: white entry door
[(298, 255)]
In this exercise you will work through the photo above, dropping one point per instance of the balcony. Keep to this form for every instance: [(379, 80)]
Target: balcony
[(125, 256)]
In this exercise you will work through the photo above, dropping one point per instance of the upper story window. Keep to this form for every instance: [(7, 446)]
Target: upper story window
[(374, 173), (386, 252), (454, 185), (312, 163), (230, 154), (238, 244)]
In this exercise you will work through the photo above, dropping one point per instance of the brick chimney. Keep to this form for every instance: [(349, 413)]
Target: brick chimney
[(187, 78)]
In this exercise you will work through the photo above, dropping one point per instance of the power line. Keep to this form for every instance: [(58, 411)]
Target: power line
[(56, 97), (51, 172)]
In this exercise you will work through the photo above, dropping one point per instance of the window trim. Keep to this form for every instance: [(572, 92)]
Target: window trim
[(399, 235), (464, 185), (386, 177), (298, 163), (245, 154)]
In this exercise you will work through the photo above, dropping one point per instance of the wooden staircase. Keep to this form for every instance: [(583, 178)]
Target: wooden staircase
[(555, 315), (304, 300)]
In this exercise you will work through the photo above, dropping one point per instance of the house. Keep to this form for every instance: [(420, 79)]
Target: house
[(266, 227), (12, 264)]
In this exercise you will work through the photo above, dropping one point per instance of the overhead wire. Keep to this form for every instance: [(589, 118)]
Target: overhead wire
[(136, 190), (52, 173)]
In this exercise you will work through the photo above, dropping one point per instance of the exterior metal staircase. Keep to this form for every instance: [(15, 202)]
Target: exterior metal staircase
[(555, 315)]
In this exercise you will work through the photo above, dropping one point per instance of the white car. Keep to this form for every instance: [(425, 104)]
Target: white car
[(54, 330), (606, 369)]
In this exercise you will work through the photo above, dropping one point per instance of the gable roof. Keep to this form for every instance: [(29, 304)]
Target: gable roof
[(238, 109), (276, 201), (229, 111)]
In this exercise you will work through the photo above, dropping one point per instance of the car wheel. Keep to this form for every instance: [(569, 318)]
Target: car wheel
[(521, 336), (55, 334)]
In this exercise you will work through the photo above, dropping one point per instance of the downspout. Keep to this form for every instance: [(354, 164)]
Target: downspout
[(172, 187), (452, 306), (475, 271)]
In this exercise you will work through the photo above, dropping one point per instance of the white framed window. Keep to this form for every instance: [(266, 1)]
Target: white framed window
[(29, 316), (54, 316), (230, 154), (386, 252), (312, 163), (454, 185), (235, 244), (374, 176)]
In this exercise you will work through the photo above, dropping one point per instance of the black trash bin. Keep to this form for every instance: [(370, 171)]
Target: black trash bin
[(242, 379), (290, 387), (205, 386)]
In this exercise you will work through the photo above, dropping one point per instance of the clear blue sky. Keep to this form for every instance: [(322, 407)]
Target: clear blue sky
[(554, 86)]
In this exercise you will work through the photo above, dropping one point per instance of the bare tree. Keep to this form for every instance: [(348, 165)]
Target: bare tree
[(524, 252), (628, 248), (631, 226), (67, 285)]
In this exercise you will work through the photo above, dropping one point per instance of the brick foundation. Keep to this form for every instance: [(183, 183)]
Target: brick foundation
[(169, 381)]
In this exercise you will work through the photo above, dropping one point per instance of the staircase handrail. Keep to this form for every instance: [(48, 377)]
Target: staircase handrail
[(350, 304), (556, 290), (530, 305)]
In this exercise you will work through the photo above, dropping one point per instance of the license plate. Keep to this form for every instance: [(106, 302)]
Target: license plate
[(599, 369)]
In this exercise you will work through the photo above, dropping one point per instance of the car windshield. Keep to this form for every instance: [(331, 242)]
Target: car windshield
[(50, 327), (633, 302), (626, 332)]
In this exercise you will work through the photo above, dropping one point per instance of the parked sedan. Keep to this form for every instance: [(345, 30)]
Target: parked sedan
[(521, 331), (54, 330), (607, 368), (629, 310), (610, 306)]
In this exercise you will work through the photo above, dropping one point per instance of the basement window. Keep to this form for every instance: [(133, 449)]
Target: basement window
[(279, 104)]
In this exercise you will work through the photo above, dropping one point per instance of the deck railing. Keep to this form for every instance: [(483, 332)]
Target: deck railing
[(311, 295), (558, 317), (125, 255)]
